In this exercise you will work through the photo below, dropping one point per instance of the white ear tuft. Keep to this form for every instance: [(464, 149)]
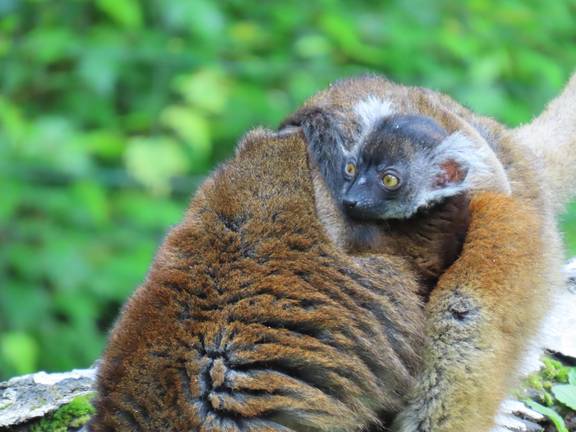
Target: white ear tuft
[(475, 160)]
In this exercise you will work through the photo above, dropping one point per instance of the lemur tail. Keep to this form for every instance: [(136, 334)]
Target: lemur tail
[(552, 137)]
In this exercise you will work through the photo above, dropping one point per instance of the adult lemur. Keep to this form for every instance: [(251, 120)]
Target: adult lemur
[(468, 365), (252, 318)]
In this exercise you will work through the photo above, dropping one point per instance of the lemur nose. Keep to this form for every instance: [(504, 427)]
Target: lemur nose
[(349, 203)]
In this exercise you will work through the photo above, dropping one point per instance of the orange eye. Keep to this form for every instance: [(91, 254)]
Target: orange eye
[(390, 181), (350, 169)]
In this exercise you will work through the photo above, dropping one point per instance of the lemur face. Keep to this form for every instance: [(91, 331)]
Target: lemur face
[(394, 171), (377, 191)]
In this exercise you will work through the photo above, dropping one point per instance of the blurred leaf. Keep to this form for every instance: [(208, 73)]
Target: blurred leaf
[(91, 198), (311, 46), (550, 413), (23, 305), (10, 192), (117, 277), (565, 393), (125, 12), (205, 89), (51, 44), (54, 140), (63, 263), (7, 6), (20, 351), (193, 128), (155, 161), (247, 33), (204, 18), (200, 16), (12, 123), (568, 225), (99, 67), (572, 376), (135, 207), (107, 144)]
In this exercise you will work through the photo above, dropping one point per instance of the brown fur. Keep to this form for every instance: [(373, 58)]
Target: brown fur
[(499, 286), (480, 316), (430, 241), (252, 320)]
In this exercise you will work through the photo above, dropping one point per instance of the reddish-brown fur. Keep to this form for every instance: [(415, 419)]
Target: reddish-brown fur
[(252, 320), (479, 317)]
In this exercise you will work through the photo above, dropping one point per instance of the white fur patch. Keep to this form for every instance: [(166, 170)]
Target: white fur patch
[(371, 110), (478, 160)]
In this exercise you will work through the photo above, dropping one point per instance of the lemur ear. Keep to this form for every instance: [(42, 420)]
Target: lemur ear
[(451, 173), (326, 142)]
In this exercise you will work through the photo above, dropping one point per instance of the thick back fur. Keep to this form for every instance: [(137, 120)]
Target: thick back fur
[(251, 319)]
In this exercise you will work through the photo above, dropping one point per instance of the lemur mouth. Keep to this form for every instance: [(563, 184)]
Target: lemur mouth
[(361, 211)]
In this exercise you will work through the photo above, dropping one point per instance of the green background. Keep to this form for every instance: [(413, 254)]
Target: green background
[(112, 111)]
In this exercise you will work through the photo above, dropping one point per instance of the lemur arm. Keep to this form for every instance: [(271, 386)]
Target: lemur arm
[(480, 315)]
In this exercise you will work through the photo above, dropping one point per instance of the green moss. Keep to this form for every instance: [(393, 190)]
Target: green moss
[(72, 415), (540, 388), (555, 371)]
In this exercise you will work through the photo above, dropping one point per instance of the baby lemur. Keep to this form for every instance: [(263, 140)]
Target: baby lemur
[(413, 177)]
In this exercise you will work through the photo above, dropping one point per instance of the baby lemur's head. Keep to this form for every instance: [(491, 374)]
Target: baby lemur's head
[(404, 164)]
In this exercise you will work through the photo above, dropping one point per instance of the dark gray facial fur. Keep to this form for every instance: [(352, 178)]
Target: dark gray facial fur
[(405, 146)]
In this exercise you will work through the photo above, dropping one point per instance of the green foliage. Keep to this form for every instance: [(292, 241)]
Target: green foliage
[(20, 350), (111, 112), (72, 415), (565, 394), (552, 392), (569, 228), (550, 413)]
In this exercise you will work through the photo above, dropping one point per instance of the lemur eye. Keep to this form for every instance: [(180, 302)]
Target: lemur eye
[(390, 181), (350, 169)]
